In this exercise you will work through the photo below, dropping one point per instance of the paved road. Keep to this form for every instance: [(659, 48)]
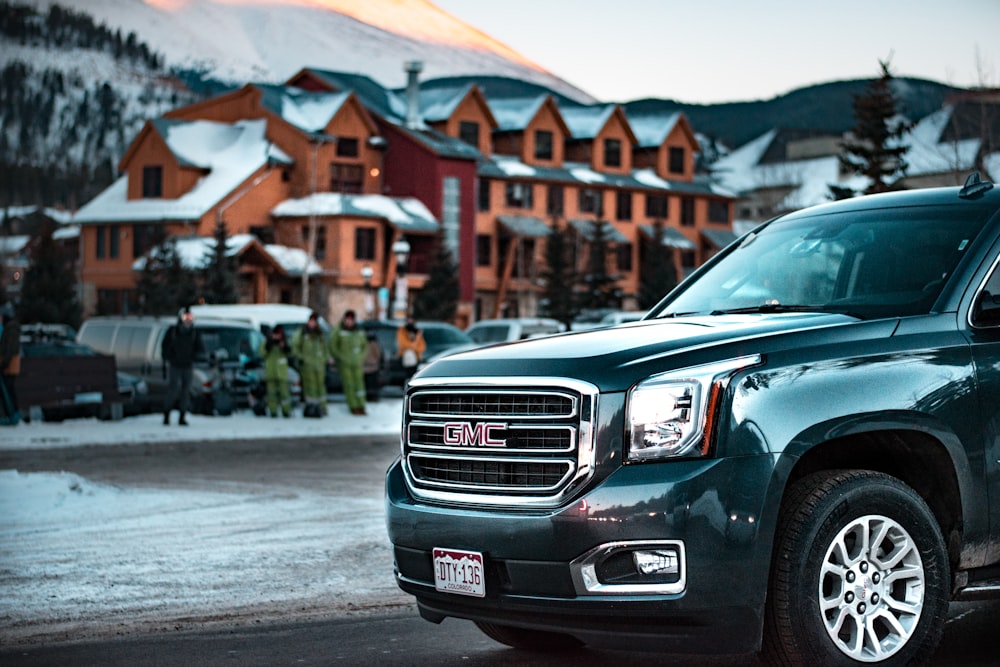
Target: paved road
[(386, 635)]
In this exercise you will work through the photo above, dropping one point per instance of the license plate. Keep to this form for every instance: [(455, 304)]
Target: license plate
[(459, 572)]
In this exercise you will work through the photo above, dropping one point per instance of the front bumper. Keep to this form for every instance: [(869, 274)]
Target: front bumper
[(711, 509)]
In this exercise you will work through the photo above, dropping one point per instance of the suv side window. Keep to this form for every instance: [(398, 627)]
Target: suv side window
[(987, 312)]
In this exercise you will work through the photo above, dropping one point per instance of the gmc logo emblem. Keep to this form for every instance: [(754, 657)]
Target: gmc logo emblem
[(465, 434)]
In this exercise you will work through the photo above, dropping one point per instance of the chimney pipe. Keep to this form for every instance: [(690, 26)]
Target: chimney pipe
[(413, 68)]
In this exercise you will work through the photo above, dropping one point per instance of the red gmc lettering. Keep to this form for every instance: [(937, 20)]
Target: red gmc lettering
[(478, 435)]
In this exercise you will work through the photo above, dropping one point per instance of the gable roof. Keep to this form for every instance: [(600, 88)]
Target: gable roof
[(230, 153), (373, 96), (195, 253)]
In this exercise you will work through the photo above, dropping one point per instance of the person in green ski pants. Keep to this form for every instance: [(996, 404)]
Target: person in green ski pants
[(309, 345), (275, 351), (348, 346)]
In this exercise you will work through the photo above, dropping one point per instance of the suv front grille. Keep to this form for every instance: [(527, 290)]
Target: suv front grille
[(519, 445)]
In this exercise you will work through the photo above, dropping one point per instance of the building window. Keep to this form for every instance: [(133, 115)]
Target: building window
[(518, 195), (687, 261), (554, 202), (320, 240), (687, 211), (347, 147), (623, 205), (484, 194), (656, 206), (101, 242), (346, 177), (623, 253), (152, 182), (468, 131), (484, 243), (676, 162), (144, 237), (718, 210), (590, 202), (364, 243), (113, 246), (543, 145), (612, 153)]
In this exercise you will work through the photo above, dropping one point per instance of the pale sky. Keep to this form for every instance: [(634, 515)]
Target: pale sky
[(741, 50)]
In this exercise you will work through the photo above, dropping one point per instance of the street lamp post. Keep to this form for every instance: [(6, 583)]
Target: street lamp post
[(401, 249), (366, 274)]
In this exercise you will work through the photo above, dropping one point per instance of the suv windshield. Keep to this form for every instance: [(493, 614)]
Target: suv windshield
[(875, 263)]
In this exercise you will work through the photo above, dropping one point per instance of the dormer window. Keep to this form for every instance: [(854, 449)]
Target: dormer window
[(677, 159), (543, 145), (612, 153), (152, 182), (468, 131)]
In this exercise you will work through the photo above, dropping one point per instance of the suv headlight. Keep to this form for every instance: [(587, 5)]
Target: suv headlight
[(670, 414)]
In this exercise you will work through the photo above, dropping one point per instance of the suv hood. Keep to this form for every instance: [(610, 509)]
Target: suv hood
[(615, 358)]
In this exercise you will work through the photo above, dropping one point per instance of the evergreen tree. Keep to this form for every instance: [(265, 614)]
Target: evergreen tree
[(560, 275), (600, 287), (657, 268), (438, 300), (48, 293), (219, 278), (165, 285), (875, 148)]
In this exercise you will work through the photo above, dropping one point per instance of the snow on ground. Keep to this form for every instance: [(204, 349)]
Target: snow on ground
[(81, 559), (383, 417)]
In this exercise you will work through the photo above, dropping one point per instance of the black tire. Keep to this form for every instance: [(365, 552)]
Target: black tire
[(530, 640), (833, 602)]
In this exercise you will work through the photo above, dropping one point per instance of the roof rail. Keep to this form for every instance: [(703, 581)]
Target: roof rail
[(974, 186)]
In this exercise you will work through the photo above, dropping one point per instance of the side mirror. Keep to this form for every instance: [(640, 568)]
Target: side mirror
[(987, 312)]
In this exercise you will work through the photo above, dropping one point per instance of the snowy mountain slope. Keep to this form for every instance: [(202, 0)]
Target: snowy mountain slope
[(269, 40)]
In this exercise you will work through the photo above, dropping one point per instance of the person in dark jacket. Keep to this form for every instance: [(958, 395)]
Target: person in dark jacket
[(179, 347), (10, 365)]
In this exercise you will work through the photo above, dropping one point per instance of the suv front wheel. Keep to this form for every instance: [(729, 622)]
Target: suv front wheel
[(860, 574)]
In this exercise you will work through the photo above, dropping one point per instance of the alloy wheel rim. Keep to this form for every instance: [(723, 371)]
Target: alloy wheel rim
[(871, 588)]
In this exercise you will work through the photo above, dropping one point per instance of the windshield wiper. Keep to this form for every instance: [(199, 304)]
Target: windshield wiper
[(770, 308)]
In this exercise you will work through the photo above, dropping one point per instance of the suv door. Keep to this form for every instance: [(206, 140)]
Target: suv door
[(985, 333)]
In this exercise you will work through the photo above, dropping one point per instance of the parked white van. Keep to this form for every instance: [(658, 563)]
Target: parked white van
[(262, 316)]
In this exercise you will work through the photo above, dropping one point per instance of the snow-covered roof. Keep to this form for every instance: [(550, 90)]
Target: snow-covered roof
[(514, 114), (12, 245), (57, 214), (307, 110), (406, 213), (927, 154), (437, 104), (229, 152), (196, 252), (653, 130), (586, 122)]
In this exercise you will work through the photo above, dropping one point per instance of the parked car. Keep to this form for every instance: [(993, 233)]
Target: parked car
[(132, 395), (621, 317), (510, 329), (229, 360)]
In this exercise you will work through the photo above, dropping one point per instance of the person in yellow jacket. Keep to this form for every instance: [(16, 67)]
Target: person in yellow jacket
[(276, 350), (410, 346), (348, 346), (311, 350)]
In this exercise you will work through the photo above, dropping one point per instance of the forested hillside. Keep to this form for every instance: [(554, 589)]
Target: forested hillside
[(72, 95)]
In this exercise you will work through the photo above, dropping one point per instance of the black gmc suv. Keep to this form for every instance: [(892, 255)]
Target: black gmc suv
[(797, 451)]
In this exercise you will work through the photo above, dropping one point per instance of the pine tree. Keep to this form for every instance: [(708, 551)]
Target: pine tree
[(165, 285), (560, 276), (219, 276), (600, 287), (438, 300), (48, 293), (875, 149), (657, 269)]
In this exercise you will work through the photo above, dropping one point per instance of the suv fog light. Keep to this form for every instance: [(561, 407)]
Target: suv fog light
[(645, 567), (659, 562)]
